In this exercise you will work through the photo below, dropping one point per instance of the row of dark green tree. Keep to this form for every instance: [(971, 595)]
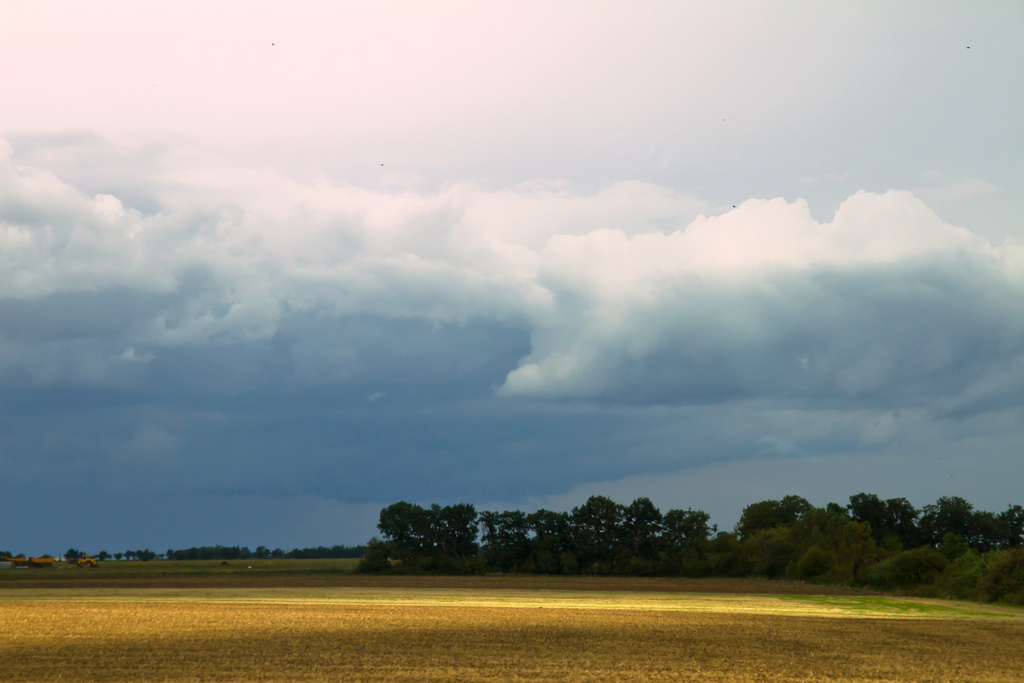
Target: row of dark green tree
[(221, 552), (234, 552), (947, 548), (144, 555)]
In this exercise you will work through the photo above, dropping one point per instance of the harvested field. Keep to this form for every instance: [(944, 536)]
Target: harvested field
[(498, 635), (290, 574)]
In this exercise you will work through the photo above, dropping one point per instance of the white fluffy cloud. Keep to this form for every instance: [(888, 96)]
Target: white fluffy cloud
[(630, 294), (241, 247), (764, 300), (54, 238)]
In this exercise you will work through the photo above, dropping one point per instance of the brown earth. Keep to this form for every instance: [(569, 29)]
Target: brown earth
[(239, 579), (225, 641)]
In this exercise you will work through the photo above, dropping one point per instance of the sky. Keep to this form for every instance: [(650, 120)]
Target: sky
[(266, 268)]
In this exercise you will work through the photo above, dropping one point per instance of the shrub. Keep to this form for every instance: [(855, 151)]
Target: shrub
[(916, 567), (1004, 578), (815, 562), (960, 580), (953, 546), (542, 562), (770, 551), (375, 559)]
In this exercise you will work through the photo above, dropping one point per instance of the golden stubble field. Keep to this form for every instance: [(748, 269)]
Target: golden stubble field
[(377, 633)]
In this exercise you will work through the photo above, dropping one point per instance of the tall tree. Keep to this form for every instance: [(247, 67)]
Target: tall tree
[(869, 509), (453, 530), (901, 521), (406, 527), (598, 526), (506, 539), (1012, 522), (554, 542), (438, 532), (769, 514), (949, 515), (688, 531), (642, 528)]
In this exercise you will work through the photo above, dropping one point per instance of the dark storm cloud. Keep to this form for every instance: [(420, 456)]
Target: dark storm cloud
[(263, 341), (63, 316), (924, 334)]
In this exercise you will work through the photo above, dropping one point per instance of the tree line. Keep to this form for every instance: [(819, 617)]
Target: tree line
[(218, 552), (946, 548)]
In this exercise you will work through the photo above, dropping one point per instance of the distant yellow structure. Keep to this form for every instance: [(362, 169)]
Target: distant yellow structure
[(29, 562)]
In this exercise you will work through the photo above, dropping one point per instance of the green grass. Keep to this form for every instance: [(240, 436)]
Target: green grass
[(907, 607)]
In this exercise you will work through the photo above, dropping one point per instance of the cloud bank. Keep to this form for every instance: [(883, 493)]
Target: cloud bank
[(241, 341), (632, 295), (280, 266)]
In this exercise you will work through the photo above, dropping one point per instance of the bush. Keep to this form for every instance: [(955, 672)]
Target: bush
[(542, 562), (918, 567), (953, 546), (771, 551), (1004, 578), (638, 566), (815, 562), (693, 569), (375, 559), (726, 556), (570, 564), (960, 580)]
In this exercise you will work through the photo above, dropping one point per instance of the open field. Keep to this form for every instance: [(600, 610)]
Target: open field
[(336, 573), (491, 634), (162, 569)]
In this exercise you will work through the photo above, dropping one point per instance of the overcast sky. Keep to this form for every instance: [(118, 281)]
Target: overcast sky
[(266, 268)]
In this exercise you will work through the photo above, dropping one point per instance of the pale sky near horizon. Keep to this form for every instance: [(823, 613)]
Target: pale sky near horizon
[(266, 268)]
